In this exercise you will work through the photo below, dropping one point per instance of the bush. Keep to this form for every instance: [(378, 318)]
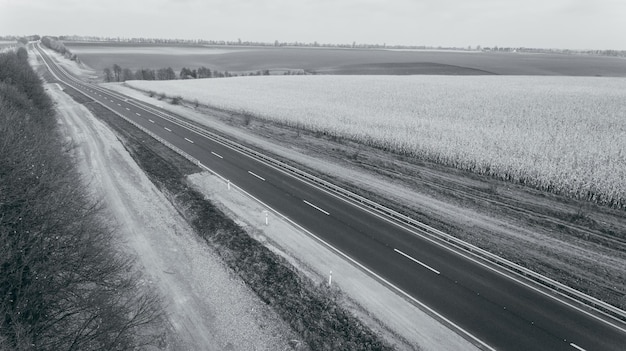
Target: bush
[(59, 47), (177, 100), (62, 286)]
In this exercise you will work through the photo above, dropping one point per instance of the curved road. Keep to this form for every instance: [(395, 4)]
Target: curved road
[(478, 300)]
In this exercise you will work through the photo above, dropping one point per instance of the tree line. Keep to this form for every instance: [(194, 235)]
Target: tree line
[(63, 286), (59, 47), (116, 73), (353, 45)]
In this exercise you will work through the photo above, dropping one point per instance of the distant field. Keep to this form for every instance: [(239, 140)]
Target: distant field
[(345, 61), (7, 44), (561, 134)]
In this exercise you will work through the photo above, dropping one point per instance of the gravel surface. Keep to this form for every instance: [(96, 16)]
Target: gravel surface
[(207, 307), (401, 323)]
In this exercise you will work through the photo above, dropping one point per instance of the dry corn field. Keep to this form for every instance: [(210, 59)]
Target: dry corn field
[(562, 134)]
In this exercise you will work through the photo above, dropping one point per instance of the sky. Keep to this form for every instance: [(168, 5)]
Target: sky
[(564, 24)]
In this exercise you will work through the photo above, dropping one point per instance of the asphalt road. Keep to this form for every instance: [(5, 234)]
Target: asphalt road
[(478, 300)]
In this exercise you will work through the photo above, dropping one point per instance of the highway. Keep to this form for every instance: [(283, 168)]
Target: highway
[(486, 305)]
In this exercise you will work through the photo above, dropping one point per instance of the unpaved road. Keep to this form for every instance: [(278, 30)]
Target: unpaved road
[(207, 307), (469, 218)]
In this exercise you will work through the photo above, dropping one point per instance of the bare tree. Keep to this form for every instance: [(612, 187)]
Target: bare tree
[(204, 72), (62, 284), (127, 74), (117, 70), (161, 74), (170, 73), (108, 75)]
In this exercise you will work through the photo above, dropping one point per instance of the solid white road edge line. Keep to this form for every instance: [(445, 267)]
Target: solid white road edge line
[(220, 156), (576, 347), (416, 261), (371, 272), (356, 263), (512, 275), (315, 207), (350, 259), (185, 138), (340, 253), (459, 251), (256, 175), (412, 230)]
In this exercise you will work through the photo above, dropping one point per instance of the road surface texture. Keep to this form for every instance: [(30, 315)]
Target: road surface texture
[(491, 308)]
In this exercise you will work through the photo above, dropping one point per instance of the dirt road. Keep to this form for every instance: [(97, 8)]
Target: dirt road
[(207, 307)]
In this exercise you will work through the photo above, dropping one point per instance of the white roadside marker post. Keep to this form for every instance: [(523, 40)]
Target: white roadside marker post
[(228, 184), (266, 218), (330, 278)]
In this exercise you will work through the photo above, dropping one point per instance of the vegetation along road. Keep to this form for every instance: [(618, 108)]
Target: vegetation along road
[(488, 305)]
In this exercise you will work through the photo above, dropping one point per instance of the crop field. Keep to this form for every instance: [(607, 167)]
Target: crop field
[(345, 61), (7, 44), (561, 134)]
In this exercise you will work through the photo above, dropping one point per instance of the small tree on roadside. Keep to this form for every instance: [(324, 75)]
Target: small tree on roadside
[(108, 75), (204, 72), (186, 73), (138, 75), (117, 70), (22, 54), (161, 74), (176, 100), (170, 74), (127, 74), (148, 74)]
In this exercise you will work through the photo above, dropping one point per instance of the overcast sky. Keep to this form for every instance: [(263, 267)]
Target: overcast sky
[(574, 24)]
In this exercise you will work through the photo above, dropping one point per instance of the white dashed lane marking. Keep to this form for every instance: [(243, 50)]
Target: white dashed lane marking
[(416, 261), (315, 207), (256, 175)]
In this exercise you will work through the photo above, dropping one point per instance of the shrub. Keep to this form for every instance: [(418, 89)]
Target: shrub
[(177, 100), (62, 285)]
